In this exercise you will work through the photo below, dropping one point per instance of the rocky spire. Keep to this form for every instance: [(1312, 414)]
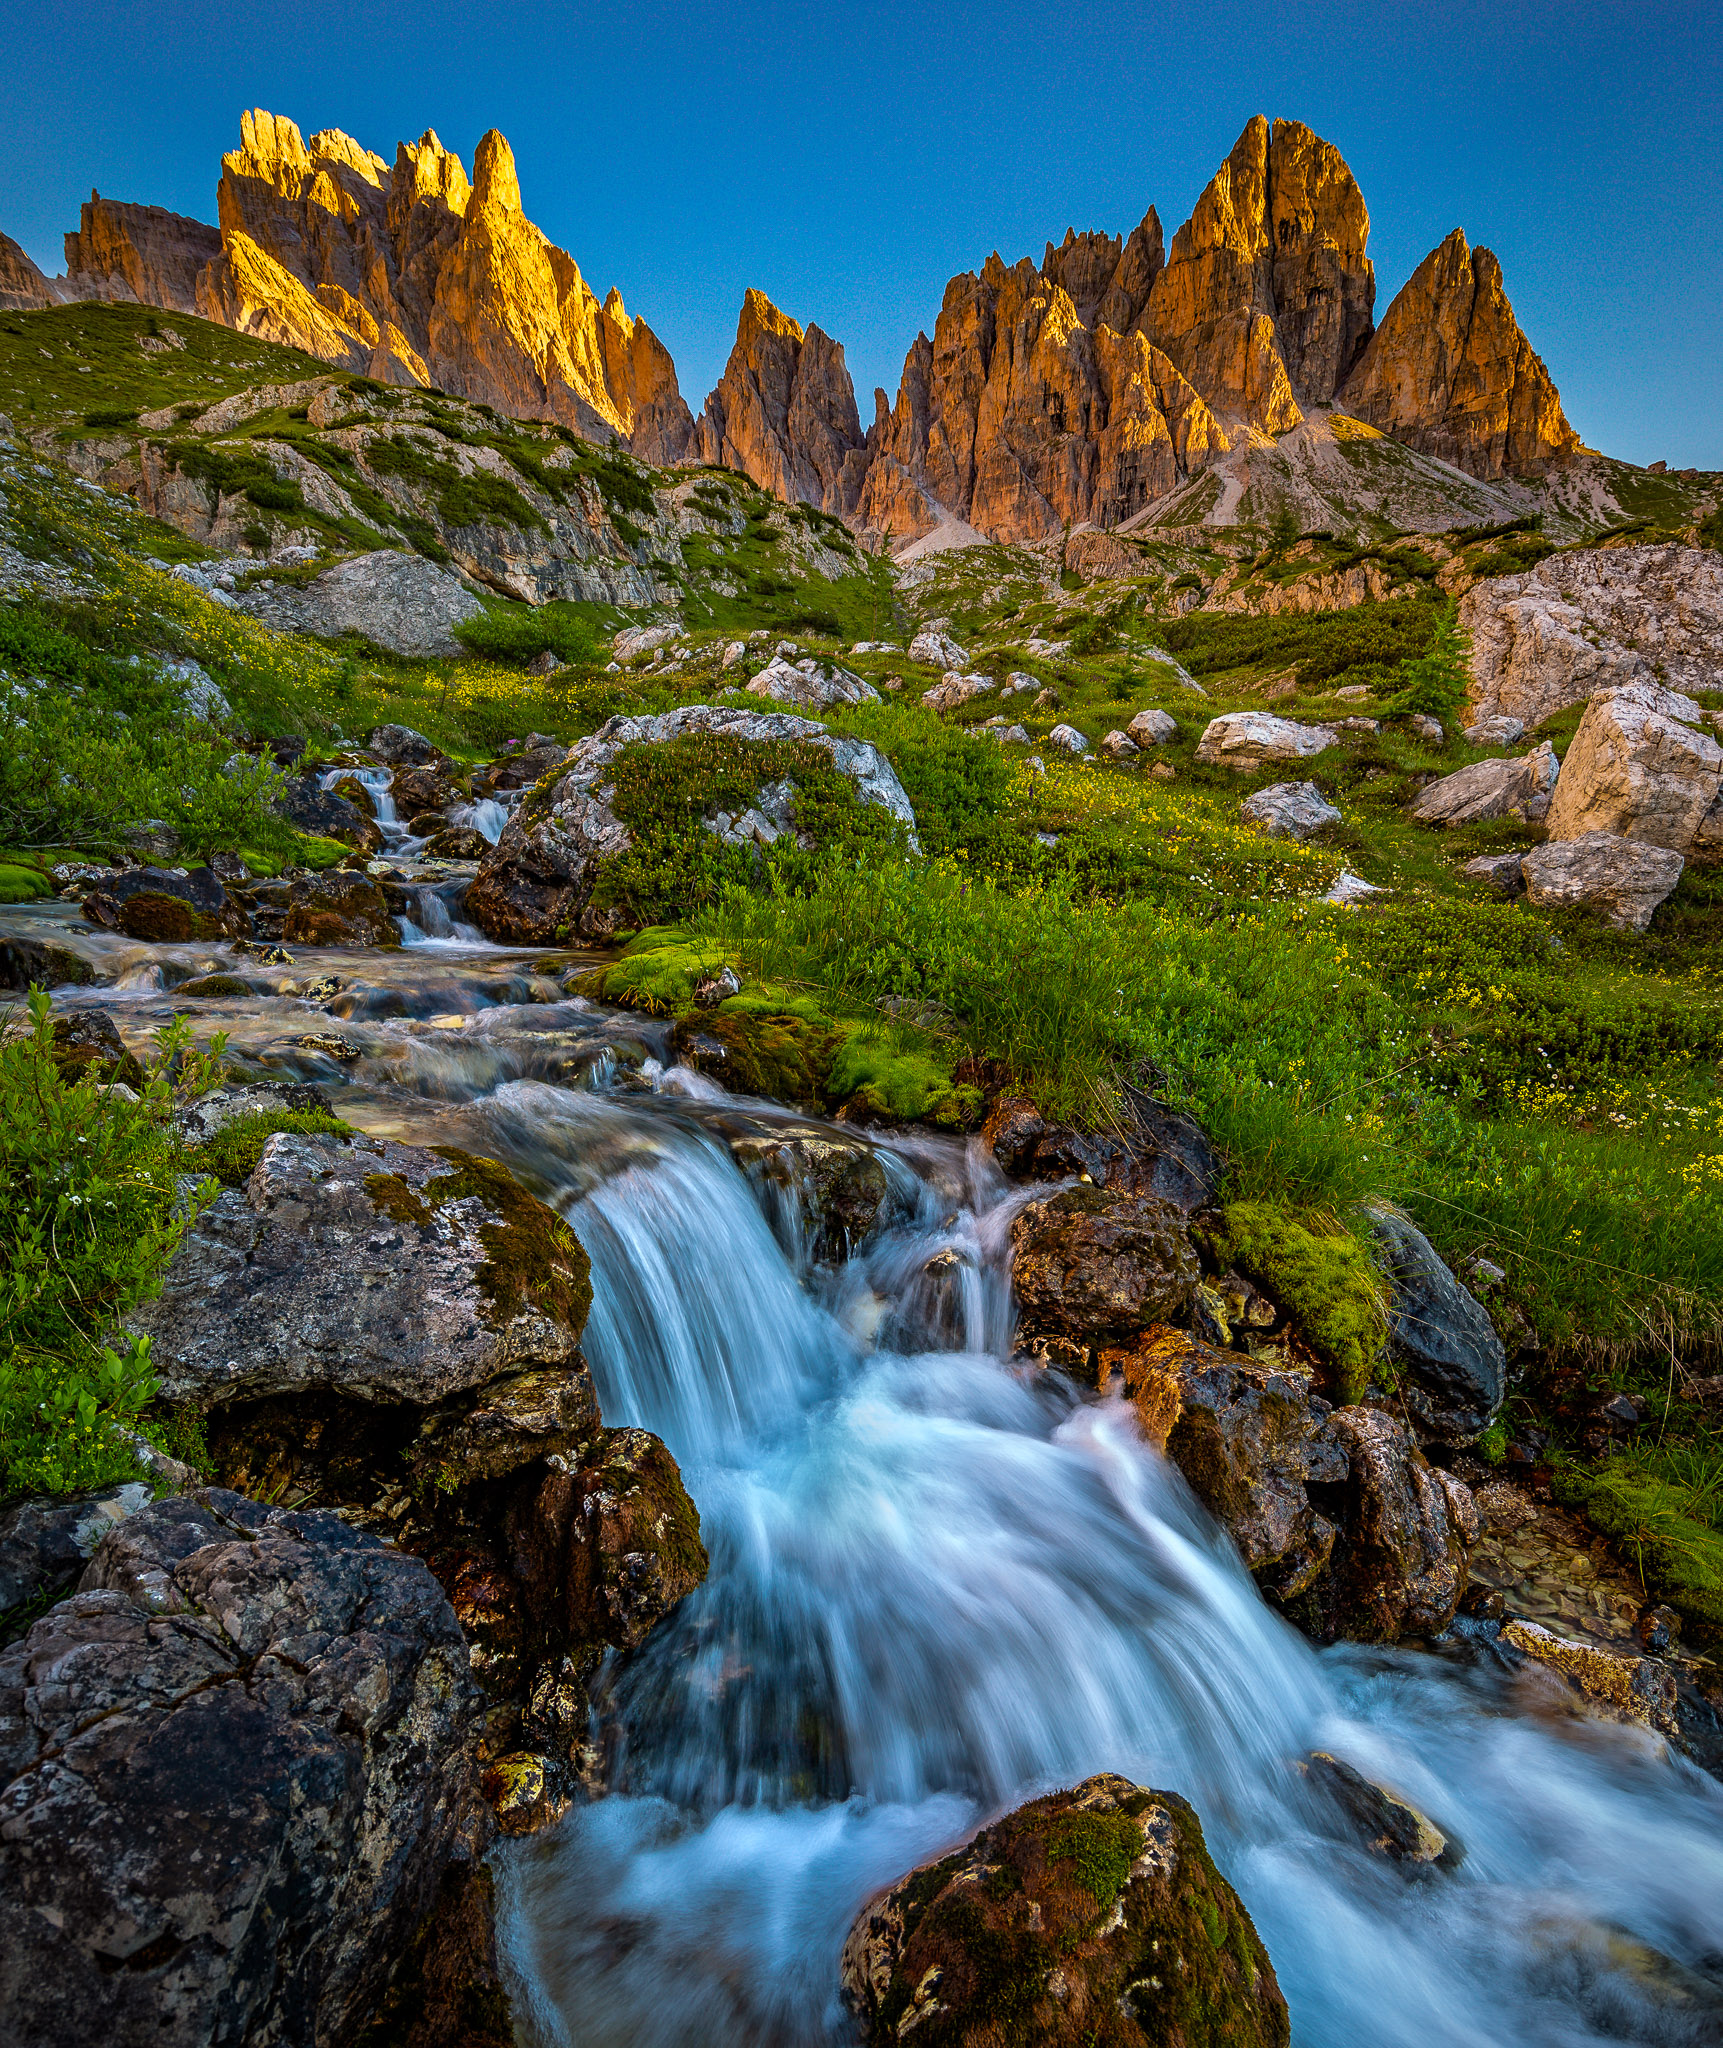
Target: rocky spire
[(784, 412), (1450, 373)]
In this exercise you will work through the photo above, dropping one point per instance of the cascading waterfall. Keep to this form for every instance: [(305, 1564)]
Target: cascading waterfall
[(941, 1584), (487, 816)]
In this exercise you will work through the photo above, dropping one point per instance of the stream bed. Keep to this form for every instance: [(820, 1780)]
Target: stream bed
[(943, 1582)]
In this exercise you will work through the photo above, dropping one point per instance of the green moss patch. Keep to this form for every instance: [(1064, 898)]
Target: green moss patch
[(231, 1155), (1102, 1846), (659, 971), (23, 885), (1667, 1530), (536, 1264), (872, 1071), (1321, 1275)]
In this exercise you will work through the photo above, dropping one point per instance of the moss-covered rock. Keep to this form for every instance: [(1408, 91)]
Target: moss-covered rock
[(23, 885), (1094, 1918), (88, 1047), (1321, 1275)]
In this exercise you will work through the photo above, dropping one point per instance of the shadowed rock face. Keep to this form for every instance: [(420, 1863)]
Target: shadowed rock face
[(236, 1764), (1449, 372), (23, 288), (784, 412)]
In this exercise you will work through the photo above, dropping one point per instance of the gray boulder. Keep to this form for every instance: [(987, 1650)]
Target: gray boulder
[(1637, 767), (1248, 739), (398, 600), (45, 1543), (810, 685), (1289, 810), (1498, 872), (1452, 1365), (1406, 1527), (401, 746), (380, 1272), (1623, 878), (234, 1767), (1152, 728), (1490, 789), (535, 885)]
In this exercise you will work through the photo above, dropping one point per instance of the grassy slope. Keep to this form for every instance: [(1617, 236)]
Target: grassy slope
[(1537, 1090)]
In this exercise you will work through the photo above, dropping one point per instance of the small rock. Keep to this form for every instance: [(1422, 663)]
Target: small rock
[(1350, 888), (1498, 731), (1069, 738), (1119, 745), (1488, 789), (1498, 872), (1615, 1686), (936, 650), (1289, 810), (1152, 728), (953, 689), (1427, 728)]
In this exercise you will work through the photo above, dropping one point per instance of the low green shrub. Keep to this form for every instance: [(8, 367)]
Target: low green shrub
[(523, 632), (92, 1207)]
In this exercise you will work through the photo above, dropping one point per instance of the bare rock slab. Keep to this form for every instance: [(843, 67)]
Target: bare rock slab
[(1625, 879)]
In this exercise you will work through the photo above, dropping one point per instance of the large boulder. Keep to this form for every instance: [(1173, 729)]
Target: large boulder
[(1289, 810), (397, 600), (1250, 739), (1593, 619), (810, 685), (535, 886), (1638, 768), (1090, 1266), (234, 1768), (1496, 788), (1624, 879), (1451, 1364), (1245, 1436), (382, 1272), (1093, 1915), (1405, 1528)]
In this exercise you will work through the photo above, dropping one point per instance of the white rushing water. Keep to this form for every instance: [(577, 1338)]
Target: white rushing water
[(940, 1586)]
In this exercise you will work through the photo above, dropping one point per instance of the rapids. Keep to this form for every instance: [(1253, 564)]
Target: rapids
[(942, 1582)]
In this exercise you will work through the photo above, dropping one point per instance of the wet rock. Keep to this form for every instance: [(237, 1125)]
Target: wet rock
[(338, 908), (1153, 1151), (386, 1273), (1399, 1565), (417, 790), (830, 1194), (41, 962), (457, 842), (1453, 1368), (1092, 1915), (1495, 788), (45, 1543), (1623, 879), (519, 771), (1243, 1434), (1289, 810), (401, 746), (1090, 1265), (1388, 1825), (87, 1046), (235, 1766), (1614, 1686), (311, 808)]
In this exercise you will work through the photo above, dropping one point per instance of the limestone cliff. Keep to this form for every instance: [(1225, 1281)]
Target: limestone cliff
[(23, 288), (120, 251), (1039, 402), (784, 412), (1450, 373), (1265, 299)]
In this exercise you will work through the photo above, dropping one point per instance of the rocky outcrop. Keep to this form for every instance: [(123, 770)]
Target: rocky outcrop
[(121, 251), (1623, 879), (1594, 619), (1151, 1150), (784, 412), (1497, 788), (406, 272), (536, 884), (234, 1768), (1449, 373), (1267, 295), (1095, 1914), (1638, 767), (1029, 412), (23, 288), (399, 601)]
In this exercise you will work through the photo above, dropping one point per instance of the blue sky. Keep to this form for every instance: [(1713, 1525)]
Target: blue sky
[(848, 158)]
